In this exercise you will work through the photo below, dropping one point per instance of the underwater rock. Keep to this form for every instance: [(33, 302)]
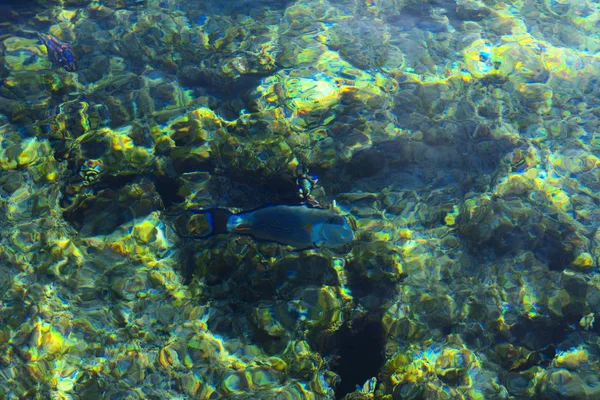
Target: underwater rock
[(462, 139), (106, 209), (437, 372), (361, 41), (564, 384), (472, 11), (301, 359)]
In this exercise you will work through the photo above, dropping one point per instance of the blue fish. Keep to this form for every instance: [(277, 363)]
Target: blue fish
[(298, 226), (60, 53)]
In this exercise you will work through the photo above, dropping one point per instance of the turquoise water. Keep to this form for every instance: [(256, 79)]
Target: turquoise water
[(458, 139)]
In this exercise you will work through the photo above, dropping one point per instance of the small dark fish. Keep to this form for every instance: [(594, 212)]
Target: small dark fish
[(300, 226), (60, 53)]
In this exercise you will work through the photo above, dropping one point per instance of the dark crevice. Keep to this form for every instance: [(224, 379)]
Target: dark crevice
[(554, 253), (168, 190), (359, 351), (541, 334)]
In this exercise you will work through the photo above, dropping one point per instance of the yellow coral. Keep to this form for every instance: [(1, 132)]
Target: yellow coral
[(584, 261), (571, 359)]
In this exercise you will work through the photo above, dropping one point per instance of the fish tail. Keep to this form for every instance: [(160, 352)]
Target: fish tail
[(217, 219), (203, 223)]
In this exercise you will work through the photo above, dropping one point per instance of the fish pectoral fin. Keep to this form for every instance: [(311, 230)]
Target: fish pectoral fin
[(242, 228), (319, 243)]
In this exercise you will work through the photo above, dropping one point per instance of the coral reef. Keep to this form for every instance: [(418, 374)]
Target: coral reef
[(459, 138)]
